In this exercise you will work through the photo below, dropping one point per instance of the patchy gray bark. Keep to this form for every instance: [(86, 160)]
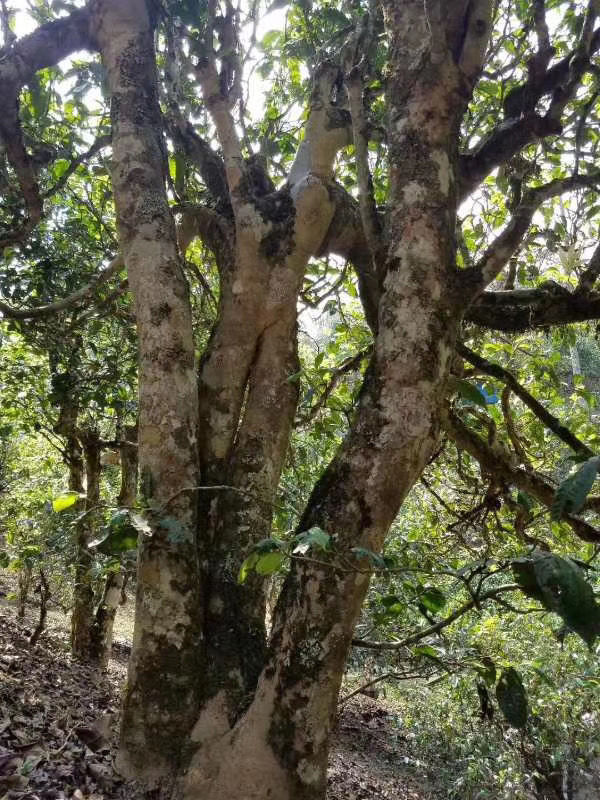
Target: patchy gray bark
[(160, 701), (279, 746)]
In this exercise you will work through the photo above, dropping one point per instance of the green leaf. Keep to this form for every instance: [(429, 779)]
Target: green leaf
[(469, 393), (314, 537), (389, 600), (512, 698), (545, 678), (269, 562), (566, 592), (433, 599), (427, 651), (247, 566), (4, 559), (119, 536), (486, 669), (523, 499), (65, 500), (571, 493), (558, 584)]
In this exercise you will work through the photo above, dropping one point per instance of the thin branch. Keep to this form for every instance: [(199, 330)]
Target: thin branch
[(386, 676), (102, 141), (357, 68), (474, 602), (502, 248), (67, 302), (550, 421), (522, 124), (349, 365), (498, 463)]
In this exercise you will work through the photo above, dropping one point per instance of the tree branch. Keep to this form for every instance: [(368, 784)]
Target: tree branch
[(527, 309), (550, 421), (346, 238), (101, 141), (115, 266), (506, 243), (328, 129), (522, 124), (19, 61), (494, 461), (474, 602)]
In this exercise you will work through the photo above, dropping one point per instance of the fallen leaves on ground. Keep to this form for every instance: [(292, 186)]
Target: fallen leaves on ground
[(58, 722)]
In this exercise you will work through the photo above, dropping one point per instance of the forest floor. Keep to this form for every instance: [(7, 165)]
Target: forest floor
[(58, 721)]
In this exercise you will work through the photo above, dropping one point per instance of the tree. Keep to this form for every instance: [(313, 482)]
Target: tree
[(413, 106)]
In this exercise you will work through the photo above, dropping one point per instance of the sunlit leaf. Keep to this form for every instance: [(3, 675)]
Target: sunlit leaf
[(65, 500)]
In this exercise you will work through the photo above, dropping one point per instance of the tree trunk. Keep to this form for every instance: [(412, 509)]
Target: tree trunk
[(278, 748), (44, 591), (24, 584), (82, 617), (263, 717), (160, 702), (102, 630)]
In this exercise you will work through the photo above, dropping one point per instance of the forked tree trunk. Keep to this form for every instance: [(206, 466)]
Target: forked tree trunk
[(102, 629), (263, 717)]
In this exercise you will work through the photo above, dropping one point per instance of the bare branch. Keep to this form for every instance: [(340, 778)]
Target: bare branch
[(357, 68), (328, 129), (346, 238), (217, 88), (527, 309)]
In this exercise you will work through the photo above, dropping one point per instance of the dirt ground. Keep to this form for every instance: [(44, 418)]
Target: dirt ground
[(58, 721)]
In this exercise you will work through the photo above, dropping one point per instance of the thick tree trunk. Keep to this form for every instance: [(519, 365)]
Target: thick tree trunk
[(161, 697), (82, 617), (278, 748), (271, 741)]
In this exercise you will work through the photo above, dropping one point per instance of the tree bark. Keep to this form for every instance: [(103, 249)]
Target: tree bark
[(279, 747), (160, 703), (267, 730), (82, 617), (24, 585)]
